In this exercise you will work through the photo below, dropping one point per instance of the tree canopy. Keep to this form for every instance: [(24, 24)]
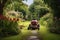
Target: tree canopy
[(38, 8), (54, 4)]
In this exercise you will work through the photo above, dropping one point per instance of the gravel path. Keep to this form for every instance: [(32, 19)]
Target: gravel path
[(33, 36)]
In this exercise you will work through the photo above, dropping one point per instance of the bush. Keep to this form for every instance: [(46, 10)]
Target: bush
[(54, 26), (57, 26), (8, 27)]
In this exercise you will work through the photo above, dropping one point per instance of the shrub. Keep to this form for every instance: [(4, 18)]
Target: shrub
[(54, 26), (8, 27)]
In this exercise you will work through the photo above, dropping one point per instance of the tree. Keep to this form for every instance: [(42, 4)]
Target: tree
[(38, 8), (3, 2), (16, 6), (54, 4)]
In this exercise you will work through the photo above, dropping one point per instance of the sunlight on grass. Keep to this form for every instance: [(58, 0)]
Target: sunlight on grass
[(26, 24), (46, 35)]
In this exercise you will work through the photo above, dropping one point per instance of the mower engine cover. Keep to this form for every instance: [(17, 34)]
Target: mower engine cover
[(34, 22)]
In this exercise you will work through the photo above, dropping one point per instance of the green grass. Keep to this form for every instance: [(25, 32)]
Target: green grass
[(46, 35), (43, 33)]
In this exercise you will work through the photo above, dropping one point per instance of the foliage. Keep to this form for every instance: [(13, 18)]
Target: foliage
[(38, 8), (46, 19), (54, 4), (43, 11), (55, 25), (8, 27), (17, 6), (3, 2)]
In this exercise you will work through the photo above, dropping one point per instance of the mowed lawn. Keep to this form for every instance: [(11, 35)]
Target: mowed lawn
[(42, 33)]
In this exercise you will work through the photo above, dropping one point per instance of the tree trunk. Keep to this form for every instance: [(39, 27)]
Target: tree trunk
[(2, 3)]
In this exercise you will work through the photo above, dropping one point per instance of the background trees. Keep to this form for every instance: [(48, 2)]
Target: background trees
[(38, 9)]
